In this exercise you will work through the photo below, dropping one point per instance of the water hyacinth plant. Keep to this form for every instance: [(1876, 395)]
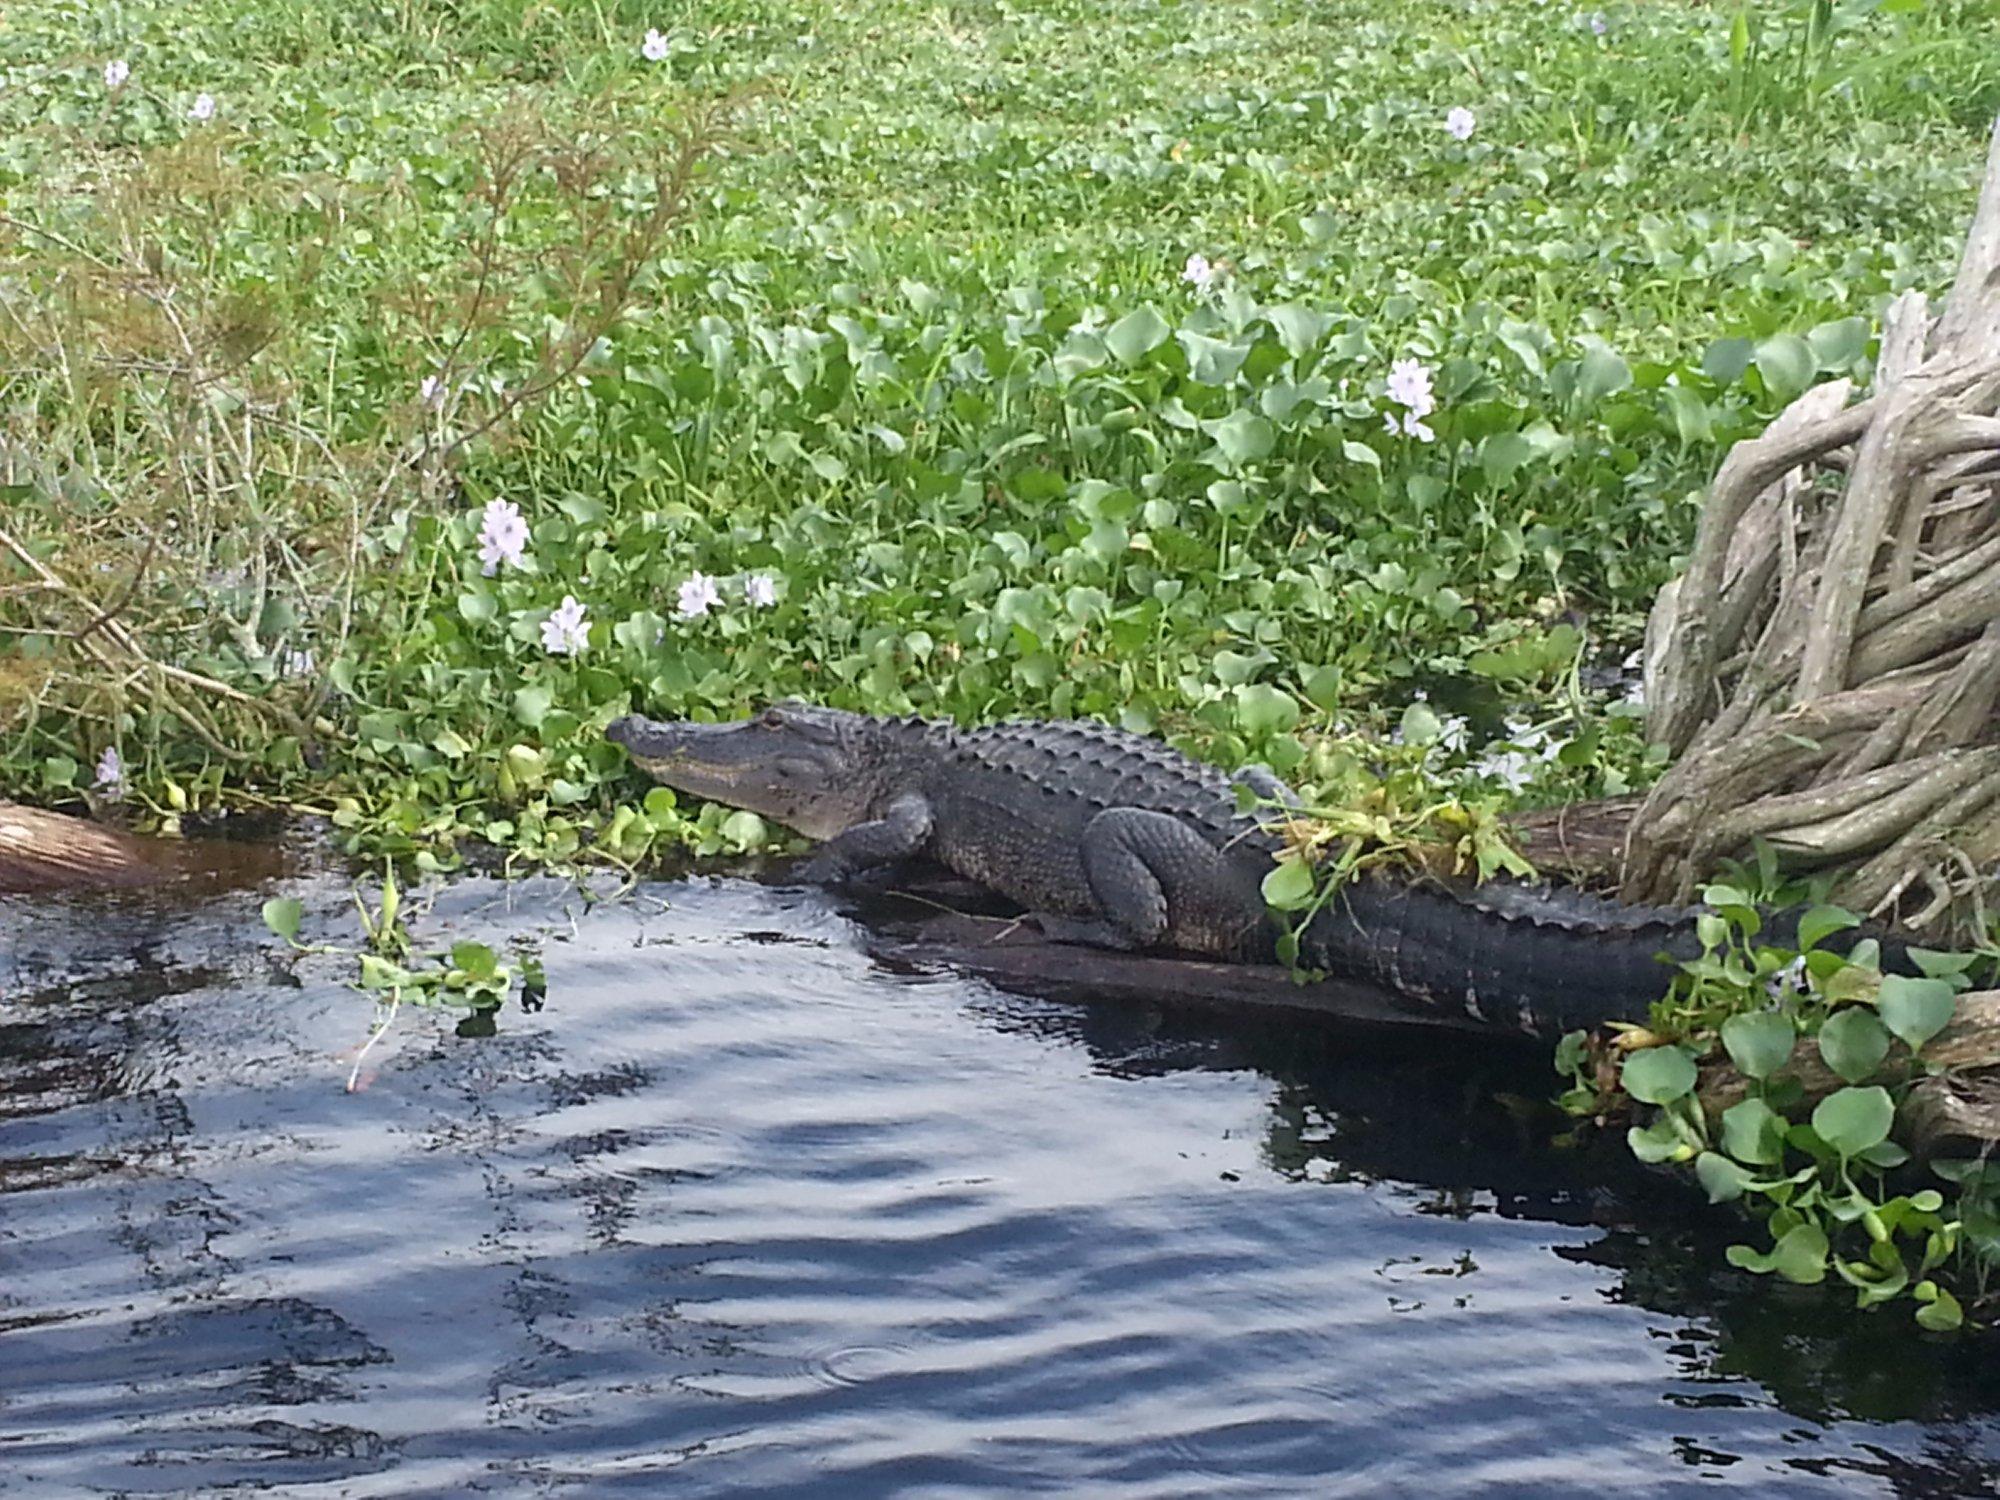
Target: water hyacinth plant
[(946, 402)]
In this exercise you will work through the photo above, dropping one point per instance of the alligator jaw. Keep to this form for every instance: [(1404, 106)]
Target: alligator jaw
[(793, 766), (712, 761), (662, 750)]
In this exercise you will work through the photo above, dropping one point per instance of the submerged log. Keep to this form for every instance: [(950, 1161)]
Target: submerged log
[(46, 851), (919, 928)]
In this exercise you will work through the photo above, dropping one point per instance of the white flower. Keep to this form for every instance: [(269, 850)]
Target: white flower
[(1511, 768), (203, 108), (565, 632), (1199, 273), (1792, 977), (698, 596), (503, 536), (111, 773), (296, 664), (1460, 122), (116, 72), (761, 590), (1417, 429), (1598, 26), (1410, 386), (431, 391), (654, 48)]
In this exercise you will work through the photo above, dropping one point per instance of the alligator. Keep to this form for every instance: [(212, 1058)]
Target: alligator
[(1117, 840)]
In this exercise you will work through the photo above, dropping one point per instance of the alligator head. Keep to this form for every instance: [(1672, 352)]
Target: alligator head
[(817, 770)]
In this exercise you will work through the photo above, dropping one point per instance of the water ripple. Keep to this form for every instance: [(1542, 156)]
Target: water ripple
[(741, 1211)]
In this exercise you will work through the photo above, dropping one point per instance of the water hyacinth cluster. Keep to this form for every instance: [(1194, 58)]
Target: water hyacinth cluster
[(698, 595), (110, 778), (1517, 761)]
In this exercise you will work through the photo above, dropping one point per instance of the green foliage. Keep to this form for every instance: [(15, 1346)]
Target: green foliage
[(469, 976), (1370, 807), (923, 355), (1832, 1187)]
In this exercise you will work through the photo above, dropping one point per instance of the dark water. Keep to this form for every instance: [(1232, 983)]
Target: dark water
[(742, 1212)]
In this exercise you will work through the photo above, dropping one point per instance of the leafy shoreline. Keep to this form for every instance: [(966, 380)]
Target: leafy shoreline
[(923, 345)]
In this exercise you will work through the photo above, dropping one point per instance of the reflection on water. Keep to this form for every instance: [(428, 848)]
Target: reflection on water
[(742, 1211)]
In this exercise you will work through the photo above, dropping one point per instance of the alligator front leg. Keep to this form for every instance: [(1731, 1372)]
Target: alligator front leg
[(902, 830)]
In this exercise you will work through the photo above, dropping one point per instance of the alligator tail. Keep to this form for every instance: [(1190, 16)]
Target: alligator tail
[(1526, 958)]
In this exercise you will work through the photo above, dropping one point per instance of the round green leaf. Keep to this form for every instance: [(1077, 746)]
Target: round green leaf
[(1658, 1075), (1726, 360), (1915, 1009), (1839, 344), (1759, 1043), (1262, 709), (1853, 1043), (282, 915), (1754, 1132), (1721, 1177), (1787, 363), (1289, 885), (1603, 373), (1243, 436), (1853, 1120), (1820, 922), (1941, 1316), (1660, 1141), (1136, 335), (532, 704), (1801, 1255)]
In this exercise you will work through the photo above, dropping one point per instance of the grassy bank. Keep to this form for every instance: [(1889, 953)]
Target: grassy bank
[(1193, 366)]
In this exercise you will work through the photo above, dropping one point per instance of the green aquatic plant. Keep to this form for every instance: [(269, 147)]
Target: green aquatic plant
[(1815, 1051), (391, 970), (914, 405)]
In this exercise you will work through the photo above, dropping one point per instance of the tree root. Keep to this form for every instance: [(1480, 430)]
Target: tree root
[(1827, 670)]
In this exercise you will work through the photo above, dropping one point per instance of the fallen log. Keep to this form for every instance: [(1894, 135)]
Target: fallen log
[(920, 927), (47, 851), (42, 851)]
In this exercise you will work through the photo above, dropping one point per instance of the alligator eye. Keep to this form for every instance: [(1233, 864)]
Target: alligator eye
[(771, 718)]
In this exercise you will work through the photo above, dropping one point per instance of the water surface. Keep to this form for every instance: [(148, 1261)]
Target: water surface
[(742, 1211)]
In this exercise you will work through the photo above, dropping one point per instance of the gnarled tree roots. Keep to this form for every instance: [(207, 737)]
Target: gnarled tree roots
[(1827, 669)]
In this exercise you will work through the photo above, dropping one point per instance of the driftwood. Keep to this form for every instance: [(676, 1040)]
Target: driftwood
[(44, 851), (49, 851), (1826, 672)]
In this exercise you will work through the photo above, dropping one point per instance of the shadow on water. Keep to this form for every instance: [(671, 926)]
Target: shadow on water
[(744, 1209)]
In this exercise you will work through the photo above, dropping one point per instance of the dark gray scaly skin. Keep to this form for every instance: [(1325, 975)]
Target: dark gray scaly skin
[(1117, 840)]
